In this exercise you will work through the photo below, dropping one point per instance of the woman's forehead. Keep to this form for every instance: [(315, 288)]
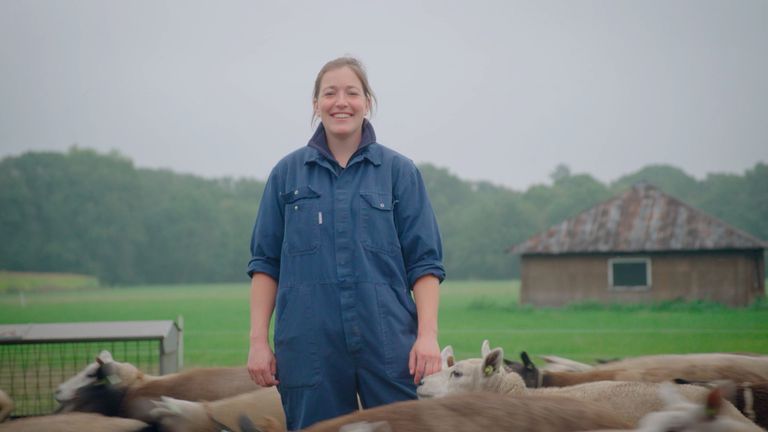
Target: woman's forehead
[(340, 77)]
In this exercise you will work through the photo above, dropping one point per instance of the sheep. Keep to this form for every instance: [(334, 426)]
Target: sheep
[(175, 415), (75, 422), (121, 389), (629, 399), (481, 412), (6, 406), (659, 368)]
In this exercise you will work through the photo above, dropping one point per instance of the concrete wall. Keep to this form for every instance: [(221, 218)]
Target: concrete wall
[(731, 278)]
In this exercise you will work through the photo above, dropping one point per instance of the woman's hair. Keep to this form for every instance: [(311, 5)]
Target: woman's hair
[(359, 70)]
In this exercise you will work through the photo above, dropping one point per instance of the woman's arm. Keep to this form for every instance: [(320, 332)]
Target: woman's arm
[(261, 360), (425, 355)]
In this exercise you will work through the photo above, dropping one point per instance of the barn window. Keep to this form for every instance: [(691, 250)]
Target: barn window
[(629, 273)]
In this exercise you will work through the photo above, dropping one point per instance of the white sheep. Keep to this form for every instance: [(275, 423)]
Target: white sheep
[(631, 400), (175, 415)]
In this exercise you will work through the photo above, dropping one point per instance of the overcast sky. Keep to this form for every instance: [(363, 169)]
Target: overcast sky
[(492, 90)]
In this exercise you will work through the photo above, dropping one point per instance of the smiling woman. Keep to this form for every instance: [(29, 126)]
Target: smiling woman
[(346, 252)]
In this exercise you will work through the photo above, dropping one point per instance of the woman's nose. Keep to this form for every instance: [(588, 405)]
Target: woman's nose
[(341, 100)]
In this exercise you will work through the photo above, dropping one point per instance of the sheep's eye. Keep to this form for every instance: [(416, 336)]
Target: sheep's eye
[(456, 374)]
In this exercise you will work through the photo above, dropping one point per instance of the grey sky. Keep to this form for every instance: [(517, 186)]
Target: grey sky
[(493, 90)]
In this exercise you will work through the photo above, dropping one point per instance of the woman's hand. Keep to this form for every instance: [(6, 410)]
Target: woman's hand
[(424, 359), (262, 365)]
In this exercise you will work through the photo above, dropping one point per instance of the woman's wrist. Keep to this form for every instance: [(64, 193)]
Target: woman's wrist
[(427, 332), (259, 340)]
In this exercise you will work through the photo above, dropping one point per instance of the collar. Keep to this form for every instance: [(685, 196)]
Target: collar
[(319, 143)]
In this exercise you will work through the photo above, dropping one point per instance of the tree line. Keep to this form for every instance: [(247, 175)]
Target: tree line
[(97, 214)]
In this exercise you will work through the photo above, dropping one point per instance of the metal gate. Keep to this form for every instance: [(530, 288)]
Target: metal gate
[(36, 358)]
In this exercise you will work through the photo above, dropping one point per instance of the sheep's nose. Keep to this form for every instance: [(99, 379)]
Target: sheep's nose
[(421, 382)]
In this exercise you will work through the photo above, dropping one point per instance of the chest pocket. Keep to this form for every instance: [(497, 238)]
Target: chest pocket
[(302, 220), (377, 223)]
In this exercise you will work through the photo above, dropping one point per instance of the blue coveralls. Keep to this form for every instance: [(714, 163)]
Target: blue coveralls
[(345, 246)]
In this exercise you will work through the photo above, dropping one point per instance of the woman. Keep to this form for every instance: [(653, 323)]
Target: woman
[(343, 235)]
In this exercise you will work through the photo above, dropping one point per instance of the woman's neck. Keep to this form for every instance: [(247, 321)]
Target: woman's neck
[(343, 148)]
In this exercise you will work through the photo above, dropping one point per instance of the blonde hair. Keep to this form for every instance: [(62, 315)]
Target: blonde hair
[(357, 67)]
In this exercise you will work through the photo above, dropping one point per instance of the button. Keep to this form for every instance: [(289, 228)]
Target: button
[(295, 207), (296, 192), (381, 205)]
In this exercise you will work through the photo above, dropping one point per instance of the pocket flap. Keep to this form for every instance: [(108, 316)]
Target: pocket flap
[(298, 193), (379, 201)]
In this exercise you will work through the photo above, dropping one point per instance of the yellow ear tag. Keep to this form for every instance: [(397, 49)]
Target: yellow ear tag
[(711, 413), (488, 370)]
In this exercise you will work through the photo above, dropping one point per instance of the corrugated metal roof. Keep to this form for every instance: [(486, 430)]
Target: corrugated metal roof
[(642, 219)]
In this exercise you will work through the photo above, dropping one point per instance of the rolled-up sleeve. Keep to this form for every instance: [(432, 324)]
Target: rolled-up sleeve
[(417, 226), (267, 238)]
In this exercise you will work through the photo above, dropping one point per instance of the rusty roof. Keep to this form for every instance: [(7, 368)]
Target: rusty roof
[(642, 219)]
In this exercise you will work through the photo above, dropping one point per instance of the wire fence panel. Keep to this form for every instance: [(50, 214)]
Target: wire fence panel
[(36, 358), (30, 373)]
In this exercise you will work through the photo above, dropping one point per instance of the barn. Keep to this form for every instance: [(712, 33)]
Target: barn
[(642, 246)]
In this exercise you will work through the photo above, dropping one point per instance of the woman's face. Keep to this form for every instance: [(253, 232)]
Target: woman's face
[(341, 103)]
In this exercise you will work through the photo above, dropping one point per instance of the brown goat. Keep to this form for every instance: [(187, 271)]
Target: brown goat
[(175, 415), (120, 389), (192, 384)]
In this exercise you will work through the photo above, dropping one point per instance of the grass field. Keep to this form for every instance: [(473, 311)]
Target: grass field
[(216, 321), (11, 282)]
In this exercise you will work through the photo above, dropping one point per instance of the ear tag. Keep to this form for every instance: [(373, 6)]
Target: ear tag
[(711, 413), (488, 370)]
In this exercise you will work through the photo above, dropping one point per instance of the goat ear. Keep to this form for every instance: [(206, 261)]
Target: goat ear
[(714, 403), (104, 357), (485, 348), (446, 357), (527, 361), (493, 362)]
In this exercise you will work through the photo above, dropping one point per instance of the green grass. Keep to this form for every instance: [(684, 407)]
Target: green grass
[(216, 320), (11, 282)]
